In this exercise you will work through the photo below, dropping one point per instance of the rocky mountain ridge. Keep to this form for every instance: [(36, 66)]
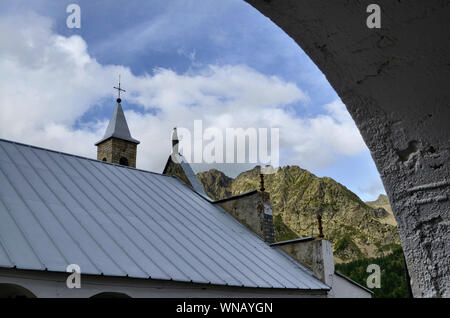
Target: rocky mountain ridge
[(356, 229)]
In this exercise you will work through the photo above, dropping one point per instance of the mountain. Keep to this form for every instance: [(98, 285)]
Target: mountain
[(356, 229), (383, 203), (215, 183)]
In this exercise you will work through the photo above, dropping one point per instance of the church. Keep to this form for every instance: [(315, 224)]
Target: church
[(135, 233)]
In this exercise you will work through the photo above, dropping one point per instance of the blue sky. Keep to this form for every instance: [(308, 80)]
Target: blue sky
[(169, 54)]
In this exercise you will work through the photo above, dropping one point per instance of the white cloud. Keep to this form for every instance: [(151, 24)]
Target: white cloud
[(372, 190), (52, 81), (314, 142)]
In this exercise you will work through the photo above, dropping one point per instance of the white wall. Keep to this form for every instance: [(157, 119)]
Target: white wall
[(343, 288), (47, 284)]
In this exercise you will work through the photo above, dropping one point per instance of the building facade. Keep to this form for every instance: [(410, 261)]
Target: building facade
[(134, 233)]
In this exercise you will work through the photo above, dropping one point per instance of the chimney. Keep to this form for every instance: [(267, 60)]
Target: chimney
[(178, 166), (319, 221), (268, 231), (316, 254), (175, 141), (253, 209)]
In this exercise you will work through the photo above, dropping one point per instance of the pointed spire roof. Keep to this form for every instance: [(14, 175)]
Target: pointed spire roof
[(118, 127)]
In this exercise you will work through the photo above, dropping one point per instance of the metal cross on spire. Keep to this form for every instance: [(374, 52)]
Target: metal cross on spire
[(119, 90)]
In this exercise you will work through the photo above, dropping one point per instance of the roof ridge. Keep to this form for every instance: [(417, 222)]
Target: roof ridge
[(78, 156), (104, 162)]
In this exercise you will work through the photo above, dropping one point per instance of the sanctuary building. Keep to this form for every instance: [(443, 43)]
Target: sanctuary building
[(135, 233)]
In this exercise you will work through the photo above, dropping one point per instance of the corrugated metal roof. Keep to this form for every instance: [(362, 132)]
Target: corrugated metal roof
[(58, 209)]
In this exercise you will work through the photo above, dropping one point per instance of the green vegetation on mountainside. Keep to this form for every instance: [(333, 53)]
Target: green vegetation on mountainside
[(392, 270), (356, 229)]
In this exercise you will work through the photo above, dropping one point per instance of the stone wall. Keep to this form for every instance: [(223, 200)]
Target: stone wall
[(317, 255), (175, 169), (114, 149), (254, 211)]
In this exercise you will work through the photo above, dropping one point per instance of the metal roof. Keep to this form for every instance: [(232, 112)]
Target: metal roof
[(353, 282), (58, 209), (188, 172), (297, 240), (118, 127)]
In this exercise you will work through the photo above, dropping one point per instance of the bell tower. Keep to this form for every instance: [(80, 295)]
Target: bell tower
[(117, 146)]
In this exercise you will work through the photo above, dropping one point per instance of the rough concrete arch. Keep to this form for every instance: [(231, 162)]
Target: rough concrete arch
[(15, 291), (110, 295), (394, 82)]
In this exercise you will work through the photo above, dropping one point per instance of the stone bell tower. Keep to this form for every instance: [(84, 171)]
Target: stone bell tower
[(117, 146)]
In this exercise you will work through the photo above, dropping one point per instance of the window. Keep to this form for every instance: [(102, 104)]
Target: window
[(104, 159), (123, 161)]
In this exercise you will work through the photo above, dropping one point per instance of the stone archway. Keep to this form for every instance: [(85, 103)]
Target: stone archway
[(110, 295), (394, 81), (14, 291)]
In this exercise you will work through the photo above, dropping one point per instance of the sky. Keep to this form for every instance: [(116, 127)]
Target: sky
[(218, 61)]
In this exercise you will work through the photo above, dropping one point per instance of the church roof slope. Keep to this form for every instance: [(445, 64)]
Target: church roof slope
[(58, 209), (188, 172)]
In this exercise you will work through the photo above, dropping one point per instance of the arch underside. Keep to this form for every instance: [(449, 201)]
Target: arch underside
[(110, 295), (394, 82), (14, 291)]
